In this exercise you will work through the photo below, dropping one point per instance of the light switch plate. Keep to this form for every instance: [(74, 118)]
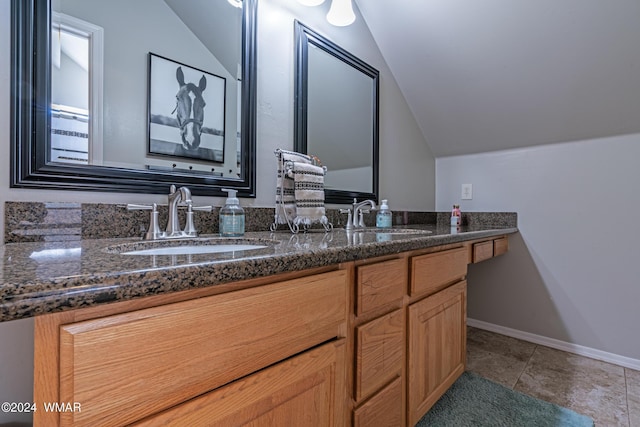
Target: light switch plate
[(467, 192)]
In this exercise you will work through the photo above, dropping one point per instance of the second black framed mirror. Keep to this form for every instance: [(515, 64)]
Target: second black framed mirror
[(337, 115)]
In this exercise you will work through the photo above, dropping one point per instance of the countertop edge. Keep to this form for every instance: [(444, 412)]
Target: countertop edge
[(90, 291)]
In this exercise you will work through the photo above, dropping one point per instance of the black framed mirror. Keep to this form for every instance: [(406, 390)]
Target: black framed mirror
[(33, 66), (336, 115)]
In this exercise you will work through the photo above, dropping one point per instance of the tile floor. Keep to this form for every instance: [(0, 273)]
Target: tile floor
[(610, 394)]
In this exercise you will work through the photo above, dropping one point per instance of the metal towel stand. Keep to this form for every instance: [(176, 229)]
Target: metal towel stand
[(284, 167)]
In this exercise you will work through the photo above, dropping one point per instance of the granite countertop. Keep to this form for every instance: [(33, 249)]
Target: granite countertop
[(46, 277)]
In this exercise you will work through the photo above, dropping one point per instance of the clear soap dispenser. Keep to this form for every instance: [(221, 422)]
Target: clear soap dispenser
[(231, 216), (384, 216)]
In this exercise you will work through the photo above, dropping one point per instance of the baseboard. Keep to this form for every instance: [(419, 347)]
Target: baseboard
[(580, 350)]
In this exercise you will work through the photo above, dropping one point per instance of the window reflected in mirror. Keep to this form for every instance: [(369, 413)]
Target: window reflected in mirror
[(102, 111), (73, 47)]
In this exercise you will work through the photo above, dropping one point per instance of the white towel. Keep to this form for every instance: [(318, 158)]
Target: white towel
[(285, 194), (309, 193)]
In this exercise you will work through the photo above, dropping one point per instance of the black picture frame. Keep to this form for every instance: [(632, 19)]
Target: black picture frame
[(30, 120), (164, 125)]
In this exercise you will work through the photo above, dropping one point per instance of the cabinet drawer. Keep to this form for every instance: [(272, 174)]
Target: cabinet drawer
[(432, 272), (113, 365), (482, 251), (382, 410), (306, 390), (380, 284), (379, 345), (500, 246)]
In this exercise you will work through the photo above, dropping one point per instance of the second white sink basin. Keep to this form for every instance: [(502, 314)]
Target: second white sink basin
[(195, 249)]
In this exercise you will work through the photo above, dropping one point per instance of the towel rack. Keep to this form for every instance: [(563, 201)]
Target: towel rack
[(285, 167)]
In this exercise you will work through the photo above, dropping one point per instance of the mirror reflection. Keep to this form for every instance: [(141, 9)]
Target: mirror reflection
[(145, 79), (337, 115), (345, 145), (134, 96)]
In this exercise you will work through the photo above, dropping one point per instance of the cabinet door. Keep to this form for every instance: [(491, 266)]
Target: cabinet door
[(437, 345), (306, 390)]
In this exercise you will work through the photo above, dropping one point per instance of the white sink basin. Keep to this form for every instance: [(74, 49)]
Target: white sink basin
[(195, 249)]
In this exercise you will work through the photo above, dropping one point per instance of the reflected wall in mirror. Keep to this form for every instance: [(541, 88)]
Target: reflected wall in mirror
[(81, 95), (336, 108)]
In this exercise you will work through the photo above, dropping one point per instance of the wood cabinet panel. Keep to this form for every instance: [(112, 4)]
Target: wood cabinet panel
[(379, 353), (500, 246), (113, 365), (436, 347), (380, 284), (306, 390), (432, 272), (482, 251), (382, 410)]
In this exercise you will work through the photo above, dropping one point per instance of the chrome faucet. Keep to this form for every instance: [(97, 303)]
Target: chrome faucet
[(183, 194), (356, 217), (358, 220)]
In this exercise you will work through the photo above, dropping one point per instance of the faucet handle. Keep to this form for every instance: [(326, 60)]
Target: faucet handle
[(349, 225), (202, 208), (189, 227), (153, 232), (134, 207)]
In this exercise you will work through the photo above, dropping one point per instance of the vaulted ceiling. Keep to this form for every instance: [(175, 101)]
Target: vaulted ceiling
[(499, 74)]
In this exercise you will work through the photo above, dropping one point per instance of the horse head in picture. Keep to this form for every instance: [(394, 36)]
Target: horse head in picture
[(190, 110)]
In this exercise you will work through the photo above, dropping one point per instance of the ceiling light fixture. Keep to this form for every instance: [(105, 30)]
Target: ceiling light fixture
[(311, 2), (341, 13), (236, 3)]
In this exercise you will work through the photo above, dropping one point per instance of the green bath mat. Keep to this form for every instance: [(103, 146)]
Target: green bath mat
[(476, 401)]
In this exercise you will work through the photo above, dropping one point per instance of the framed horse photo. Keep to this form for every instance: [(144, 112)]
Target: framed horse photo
[(186, 111)]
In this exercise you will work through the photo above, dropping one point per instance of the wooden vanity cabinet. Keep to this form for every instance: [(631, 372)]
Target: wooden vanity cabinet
[(264, 354), (377, 326), (408, 328), (436, 327), (368, 343)]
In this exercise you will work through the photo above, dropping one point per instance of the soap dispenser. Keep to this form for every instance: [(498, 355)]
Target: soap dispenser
[(231, 216), (456, 216), (384, 216)]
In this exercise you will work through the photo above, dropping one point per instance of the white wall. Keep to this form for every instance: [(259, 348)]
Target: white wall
[(571, 272), (405, 158)]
